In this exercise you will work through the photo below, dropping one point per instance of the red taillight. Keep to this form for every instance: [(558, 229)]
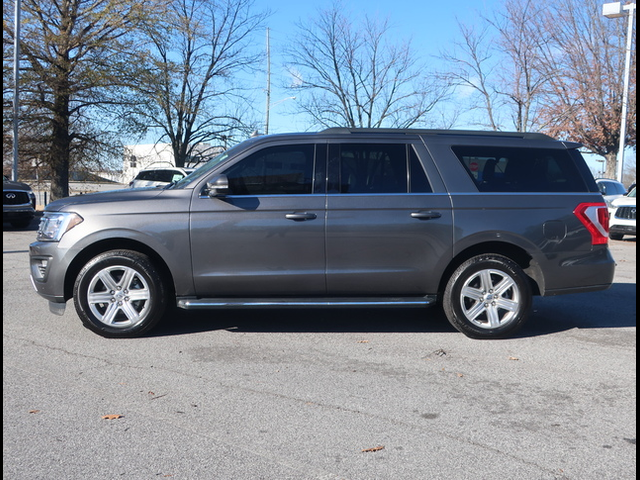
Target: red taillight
[(595, 217)]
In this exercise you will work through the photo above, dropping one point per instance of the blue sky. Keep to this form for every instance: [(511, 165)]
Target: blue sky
[(429, 25)]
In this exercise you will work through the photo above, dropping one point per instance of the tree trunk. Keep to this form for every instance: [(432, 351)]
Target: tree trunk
[(60, 153), (611, 165)]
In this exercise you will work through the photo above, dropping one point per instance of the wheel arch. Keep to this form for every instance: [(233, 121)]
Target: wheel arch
[(509, 250), (102, 246)]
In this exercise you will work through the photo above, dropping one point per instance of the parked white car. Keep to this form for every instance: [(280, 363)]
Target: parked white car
[(622, 215), (159, 177), (610, 189)]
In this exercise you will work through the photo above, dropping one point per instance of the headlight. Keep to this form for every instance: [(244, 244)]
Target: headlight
[(54, 225)]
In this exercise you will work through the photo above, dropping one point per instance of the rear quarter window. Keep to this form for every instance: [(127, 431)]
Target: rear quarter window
[(511, 169)]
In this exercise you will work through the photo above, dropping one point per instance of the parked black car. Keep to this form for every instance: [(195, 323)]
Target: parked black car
[(18, 203), (478, 222)]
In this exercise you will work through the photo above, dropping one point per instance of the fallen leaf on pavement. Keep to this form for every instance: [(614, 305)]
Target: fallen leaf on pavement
[(374, 449)]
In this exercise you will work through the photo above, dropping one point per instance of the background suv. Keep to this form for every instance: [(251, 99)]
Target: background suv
[(478, 222), (18, 203), (623, 216)]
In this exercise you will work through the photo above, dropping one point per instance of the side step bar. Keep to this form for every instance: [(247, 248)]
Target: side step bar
[(340, 302)]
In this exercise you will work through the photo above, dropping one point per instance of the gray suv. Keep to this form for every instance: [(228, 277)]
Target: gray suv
[(478, 222)]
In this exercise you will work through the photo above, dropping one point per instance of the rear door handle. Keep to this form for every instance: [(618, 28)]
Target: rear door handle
[(425, 215), (300, 217)]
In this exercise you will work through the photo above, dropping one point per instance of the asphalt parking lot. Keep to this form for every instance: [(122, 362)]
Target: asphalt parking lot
[(321, 394)]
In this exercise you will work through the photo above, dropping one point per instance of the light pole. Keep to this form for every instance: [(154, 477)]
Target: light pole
[(616, 10), (269, 105), (16, 90)]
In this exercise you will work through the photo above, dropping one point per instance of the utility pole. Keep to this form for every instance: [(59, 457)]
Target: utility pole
[(16, 90), (617, 10), (266, 120)]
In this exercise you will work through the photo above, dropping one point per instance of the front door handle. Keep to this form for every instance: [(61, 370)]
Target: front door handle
[(300, 217), (425, 215)]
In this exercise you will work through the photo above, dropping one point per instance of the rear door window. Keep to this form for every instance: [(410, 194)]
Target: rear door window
[(508, 169), (376, 169)]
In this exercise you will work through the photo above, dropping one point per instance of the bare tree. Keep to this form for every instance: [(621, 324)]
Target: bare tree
[(498, 61), (76, 54), (584, 61), (349, 74), (192, 80), (521, 80), (555, 68), (472, 66)]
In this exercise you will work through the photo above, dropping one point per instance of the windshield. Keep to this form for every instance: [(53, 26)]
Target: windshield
[(632, 193)]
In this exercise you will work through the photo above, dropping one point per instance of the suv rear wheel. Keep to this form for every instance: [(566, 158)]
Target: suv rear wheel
[(119, 294), (488, 296)]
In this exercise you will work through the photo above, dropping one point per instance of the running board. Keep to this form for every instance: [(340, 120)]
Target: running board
[(340, 302)]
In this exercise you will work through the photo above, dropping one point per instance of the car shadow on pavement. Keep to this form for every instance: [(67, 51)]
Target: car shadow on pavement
[(613, 308), (308, 320)]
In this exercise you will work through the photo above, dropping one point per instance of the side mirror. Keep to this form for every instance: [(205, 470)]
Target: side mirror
[(218, 187)]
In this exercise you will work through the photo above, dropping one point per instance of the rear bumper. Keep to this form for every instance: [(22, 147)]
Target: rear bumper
[(589, 272)]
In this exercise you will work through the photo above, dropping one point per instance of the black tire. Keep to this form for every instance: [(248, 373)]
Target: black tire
[(120, 293), (488, 296), (616, 236)]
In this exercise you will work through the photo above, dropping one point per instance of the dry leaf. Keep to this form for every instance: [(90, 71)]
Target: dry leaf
[(112, 417), (374, 449), (514, 358)]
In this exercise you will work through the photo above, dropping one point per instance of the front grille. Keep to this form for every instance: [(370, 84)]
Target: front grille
[(15, 197), (626, 213)]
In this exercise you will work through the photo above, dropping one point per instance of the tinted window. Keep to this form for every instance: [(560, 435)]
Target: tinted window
[(505, 169), (160, 176), (376, 169), (274, 171), (419, 182)]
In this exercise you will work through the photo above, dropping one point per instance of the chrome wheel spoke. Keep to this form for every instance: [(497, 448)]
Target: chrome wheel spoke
[(490, 298), (477, 309), (119, 296)]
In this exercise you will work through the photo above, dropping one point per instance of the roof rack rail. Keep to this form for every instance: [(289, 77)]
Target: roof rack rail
[(418, 131)]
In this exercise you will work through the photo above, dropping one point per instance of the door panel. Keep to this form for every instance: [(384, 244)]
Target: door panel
[(387, 233), (266, 237), (248, 246), (386, 244)]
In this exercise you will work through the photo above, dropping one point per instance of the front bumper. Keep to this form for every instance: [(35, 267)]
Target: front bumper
[(18, 213), (47, 271), (623, 229)]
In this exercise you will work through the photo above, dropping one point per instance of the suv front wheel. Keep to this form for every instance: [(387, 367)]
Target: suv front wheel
[(488, 296), (119, 294)]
